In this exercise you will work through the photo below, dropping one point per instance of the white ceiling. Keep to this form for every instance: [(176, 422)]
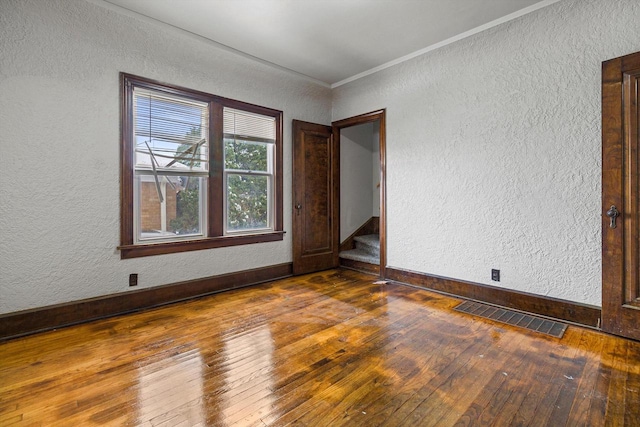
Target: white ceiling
[(332, 41)]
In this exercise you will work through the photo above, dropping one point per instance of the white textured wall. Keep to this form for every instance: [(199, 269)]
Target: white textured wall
[(59, 146), (493, 149), (356, 175)]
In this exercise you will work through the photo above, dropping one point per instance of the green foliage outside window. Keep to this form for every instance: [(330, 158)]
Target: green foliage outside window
[(245, 156), (187, 207), (247, 194), (247, 204)]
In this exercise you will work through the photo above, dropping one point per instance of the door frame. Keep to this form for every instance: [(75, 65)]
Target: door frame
[(620, 185), (373, 116)]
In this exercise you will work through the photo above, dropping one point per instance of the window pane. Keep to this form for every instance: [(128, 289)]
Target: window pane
[(170, 207), (170, 132), (246, 155), (247, 202)]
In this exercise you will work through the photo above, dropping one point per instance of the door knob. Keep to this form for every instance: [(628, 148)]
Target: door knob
[(613, 213)]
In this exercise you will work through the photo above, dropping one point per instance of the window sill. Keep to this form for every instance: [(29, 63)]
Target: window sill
[(142, 250)]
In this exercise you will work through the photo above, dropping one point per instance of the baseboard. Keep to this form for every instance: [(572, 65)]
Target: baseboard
[(363, 267), (372, 226), (13, 325), (569, 311)]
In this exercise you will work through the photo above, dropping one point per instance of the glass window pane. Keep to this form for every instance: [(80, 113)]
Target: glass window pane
[(247, 202), (246, 155), (171, 207), (170, 132)]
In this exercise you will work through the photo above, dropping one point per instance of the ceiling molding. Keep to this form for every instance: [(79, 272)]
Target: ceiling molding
[(136, 15), (448, 41)]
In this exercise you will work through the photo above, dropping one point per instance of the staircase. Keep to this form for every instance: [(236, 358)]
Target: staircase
[(367, 251)]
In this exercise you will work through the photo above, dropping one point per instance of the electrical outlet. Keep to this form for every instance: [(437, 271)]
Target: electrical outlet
[(495, 275), (133, 279)]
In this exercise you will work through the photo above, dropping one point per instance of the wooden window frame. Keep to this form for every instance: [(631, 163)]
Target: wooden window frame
[(215, 189)]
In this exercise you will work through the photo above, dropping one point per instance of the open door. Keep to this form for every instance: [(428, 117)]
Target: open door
[(620, 186), (315, 198)]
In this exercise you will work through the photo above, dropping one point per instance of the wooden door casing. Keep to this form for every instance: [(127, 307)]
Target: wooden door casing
[(315, 198), (378, 116), (620, 186)]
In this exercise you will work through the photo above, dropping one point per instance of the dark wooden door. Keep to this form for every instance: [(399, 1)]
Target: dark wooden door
[(620, 186), (315, 198)]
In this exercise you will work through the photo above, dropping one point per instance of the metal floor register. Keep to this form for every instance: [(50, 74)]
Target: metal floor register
[(537, 324)]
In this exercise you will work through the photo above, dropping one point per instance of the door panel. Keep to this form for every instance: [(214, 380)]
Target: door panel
[(315, 198), (620, 186)]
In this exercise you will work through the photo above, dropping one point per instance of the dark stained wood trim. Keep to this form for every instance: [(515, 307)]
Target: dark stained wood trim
[(203, 96), (137, 251), (363, 267), (372, 226), (360, 119), (216, 190), (335, 201), (380, 116), (279, 171), (383, 191), (27, 322), (126, 158), (216, 172), (569, 311)]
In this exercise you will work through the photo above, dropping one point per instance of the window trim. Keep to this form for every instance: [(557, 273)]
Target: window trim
[(216, 187)]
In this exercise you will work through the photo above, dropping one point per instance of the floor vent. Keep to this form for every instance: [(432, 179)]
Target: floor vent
[(545, 326)]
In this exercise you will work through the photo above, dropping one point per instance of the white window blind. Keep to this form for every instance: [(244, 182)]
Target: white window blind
[(245, 125), (170, 132)]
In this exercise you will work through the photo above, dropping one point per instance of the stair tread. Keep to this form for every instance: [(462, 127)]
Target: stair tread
[(360, 255), (369, 239)]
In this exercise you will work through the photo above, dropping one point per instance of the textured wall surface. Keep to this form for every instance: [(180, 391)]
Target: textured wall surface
[(356, 175), (59, 146), (493, 149)]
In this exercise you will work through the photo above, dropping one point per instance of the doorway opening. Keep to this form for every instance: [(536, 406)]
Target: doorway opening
[(360, 142)]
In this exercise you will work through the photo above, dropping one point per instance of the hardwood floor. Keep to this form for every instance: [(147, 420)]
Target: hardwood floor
[(325, 349)]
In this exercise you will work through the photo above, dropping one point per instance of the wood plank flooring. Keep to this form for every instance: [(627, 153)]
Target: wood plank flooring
[(325, 349)]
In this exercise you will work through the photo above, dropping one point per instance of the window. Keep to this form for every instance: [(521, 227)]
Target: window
[(171, 164), (198, 171), (249, 142)]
